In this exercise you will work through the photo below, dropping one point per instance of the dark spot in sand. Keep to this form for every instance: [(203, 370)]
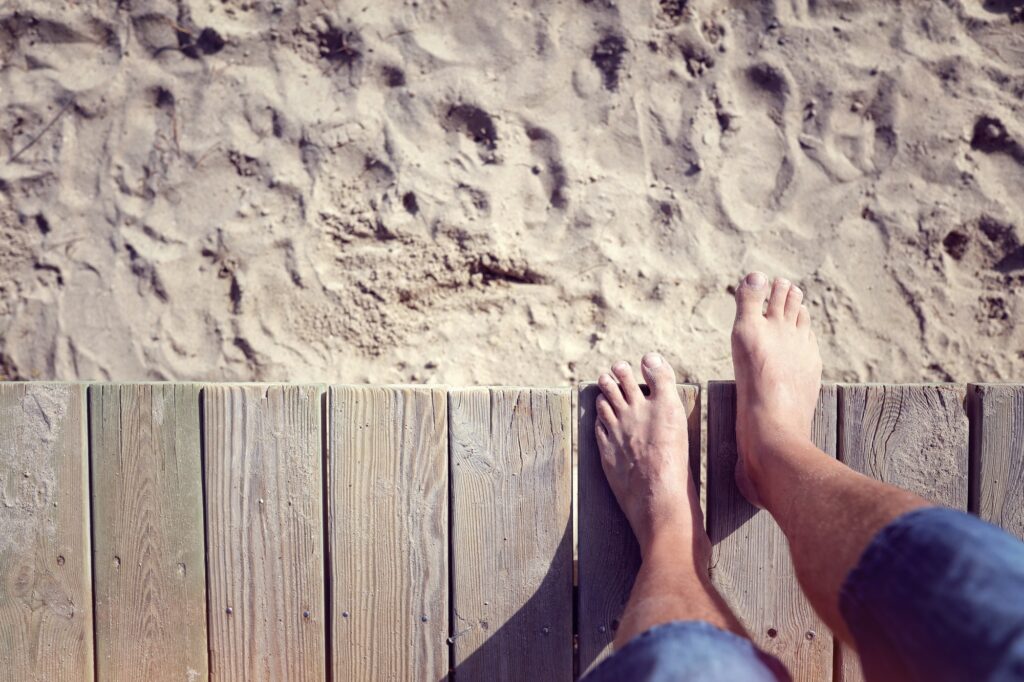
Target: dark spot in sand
[(955, 244), (207, 42), (990, 136), (994, 308), (607, 57), (210, 42), (393, 76), (163, 98), (341, 46), (476, 124), (410, 203), (767, 77), (673, 9), (43, 224), (236, 296)]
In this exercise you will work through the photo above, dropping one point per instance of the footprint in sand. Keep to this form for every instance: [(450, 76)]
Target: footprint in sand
[(757, 157)]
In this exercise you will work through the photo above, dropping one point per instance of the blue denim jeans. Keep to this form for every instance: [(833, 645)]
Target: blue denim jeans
[(937, 595)]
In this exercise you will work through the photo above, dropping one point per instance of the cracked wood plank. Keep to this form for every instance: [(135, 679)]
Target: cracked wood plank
[(511, 534), (910, 435), (997, 463), (264, 532), (46, 628), (387, 480)]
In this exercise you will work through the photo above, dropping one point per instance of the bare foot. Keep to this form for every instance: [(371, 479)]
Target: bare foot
[(778, 374), (643, 445)]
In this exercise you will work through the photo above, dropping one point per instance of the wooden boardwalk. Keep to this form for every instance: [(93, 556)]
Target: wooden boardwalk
[(294, 532)]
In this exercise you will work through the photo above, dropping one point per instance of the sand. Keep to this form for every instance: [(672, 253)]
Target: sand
[(504, 192)]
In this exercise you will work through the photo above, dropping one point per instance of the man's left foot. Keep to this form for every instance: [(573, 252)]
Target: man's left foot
[(643, 445)]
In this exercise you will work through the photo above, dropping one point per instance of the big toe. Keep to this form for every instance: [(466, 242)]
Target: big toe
[(751, 295), (658, 374)]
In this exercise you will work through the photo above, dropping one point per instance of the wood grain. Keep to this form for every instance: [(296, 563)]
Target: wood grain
[(46, 628), (511, 535), (912, 436), (149, 552), (997, 454), (608, 554), (387, 462), (751, 564), (264, 529)]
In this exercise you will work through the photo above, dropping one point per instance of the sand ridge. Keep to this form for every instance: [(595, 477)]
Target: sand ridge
[(509, 193)]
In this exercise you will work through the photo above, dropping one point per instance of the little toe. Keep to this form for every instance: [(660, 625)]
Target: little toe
[(630, 388), (605, 413), (610, 390), (658, 374), (601, 433), (803, 318), (750, 295), (777, 301), (793, 301)]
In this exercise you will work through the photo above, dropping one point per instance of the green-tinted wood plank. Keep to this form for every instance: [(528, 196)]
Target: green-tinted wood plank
[(147, 501)]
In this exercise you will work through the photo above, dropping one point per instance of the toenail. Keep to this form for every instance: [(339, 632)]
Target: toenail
[(622, 365), (797, 291), (652, 360), (756, 280), (781, 282)]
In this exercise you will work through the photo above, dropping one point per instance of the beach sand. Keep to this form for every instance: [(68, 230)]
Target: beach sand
[(505, 192)]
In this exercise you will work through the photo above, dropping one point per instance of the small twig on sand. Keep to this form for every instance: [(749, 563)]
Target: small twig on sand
[(179, 28), (67, 105)]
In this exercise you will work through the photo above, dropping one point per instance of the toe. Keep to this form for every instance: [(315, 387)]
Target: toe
[(793, 301), (777, 301), (750, 295), (803, 318), (630, 388), (658, 374), (605, 413), (611, 391), (603, 439)]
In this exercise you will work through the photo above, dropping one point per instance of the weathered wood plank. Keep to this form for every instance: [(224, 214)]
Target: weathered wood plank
[(264, 525), (387, 463), (997, 454), (752, 566), (148, 556), (608, 554), (912, 436), (46, 629), (511, 534)]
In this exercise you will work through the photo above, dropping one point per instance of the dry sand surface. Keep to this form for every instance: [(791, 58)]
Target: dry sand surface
[(504, 192)]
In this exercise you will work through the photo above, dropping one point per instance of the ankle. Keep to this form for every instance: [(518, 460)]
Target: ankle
[(677, 542), (786, 466), (764, 450)]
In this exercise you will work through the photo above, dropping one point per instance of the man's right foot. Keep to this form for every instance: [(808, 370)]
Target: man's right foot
[(778, 375)]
